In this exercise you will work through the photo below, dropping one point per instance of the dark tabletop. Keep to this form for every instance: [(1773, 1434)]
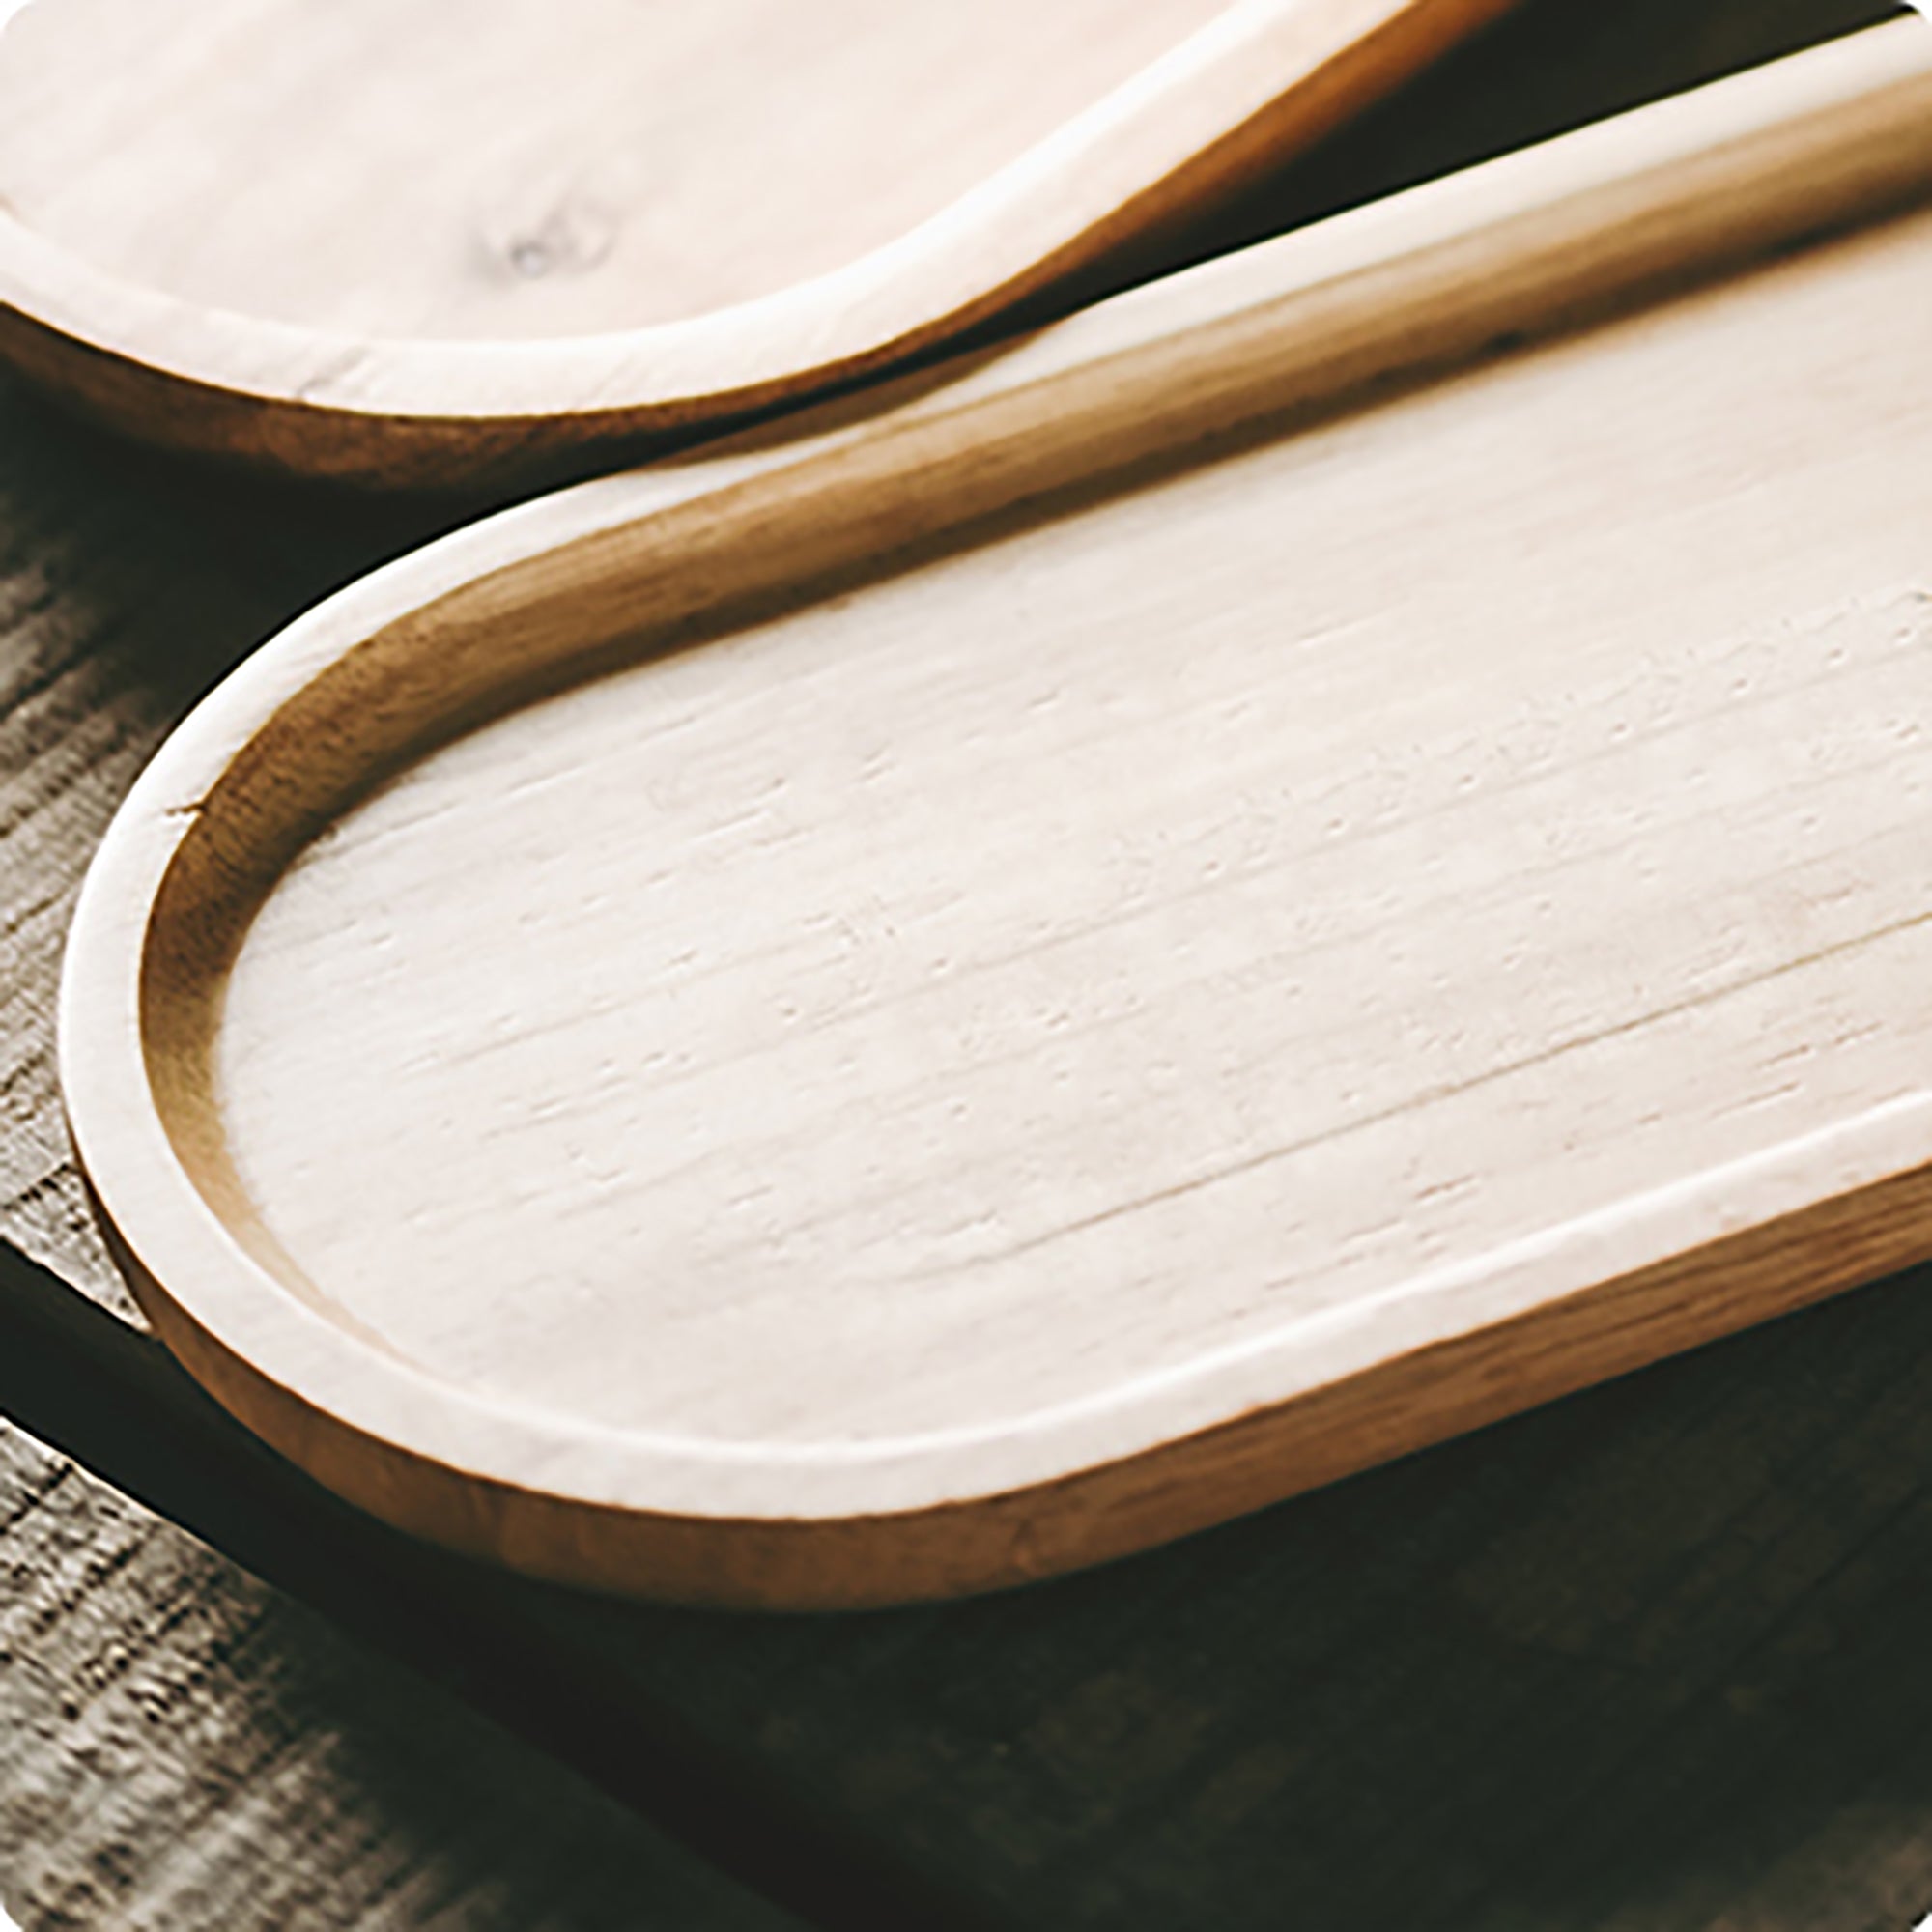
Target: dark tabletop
[(1648, 1661)]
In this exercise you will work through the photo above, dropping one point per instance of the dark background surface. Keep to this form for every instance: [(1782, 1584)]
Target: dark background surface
[(1654, 1658)]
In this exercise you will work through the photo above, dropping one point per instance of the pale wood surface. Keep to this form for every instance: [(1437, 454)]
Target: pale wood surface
[(442, 245), (499, 170), (1150, 968), (1649, 1659)]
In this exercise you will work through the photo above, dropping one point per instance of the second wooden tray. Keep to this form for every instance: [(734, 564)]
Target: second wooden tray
[(455, 242), (1216, 897)]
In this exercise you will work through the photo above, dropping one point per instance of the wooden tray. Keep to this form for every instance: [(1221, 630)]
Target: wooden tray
[(1311, 856), (411, 242)]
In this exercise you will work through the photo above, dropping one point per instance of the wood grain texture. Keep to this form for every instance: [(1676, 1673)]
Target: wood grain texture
[(181, 1746), (478, 243), (486, 171), (1646, 1662), (121, 602), (1051, 1044)]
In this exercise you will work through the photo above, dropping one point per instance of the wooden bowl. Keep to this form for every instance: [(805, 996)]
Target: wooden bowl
[(419, 242)]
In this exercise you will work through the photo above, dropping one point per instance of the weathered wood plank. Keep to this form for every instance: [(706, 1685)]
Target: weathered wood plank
[(91, 1385), (1649, 1658), (182, 1746)]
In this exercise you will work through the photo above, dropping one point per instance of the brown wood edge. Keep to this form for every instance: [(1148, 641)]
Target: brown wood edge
[(1097, 1515)]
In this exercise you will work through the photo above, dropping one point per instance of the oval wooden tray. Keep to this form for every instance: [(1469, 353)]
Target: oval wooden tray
[(414, 243), (1206, 901)]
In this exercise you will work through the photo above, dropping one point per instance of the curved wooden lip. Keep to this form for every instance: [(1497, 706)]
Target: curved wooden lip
[(1264, 78), (1414, 283)]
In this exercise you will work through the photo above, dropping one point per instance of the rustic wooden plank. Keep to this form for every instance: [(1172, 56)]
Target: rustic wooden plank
[(1648, 1659), (182, 1745)]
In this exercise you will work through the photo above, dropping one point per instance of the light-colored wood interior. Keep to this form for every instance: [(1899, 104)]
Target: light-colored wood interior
[(1157, 926), (1138, 895), (408, 168), (411, 242)]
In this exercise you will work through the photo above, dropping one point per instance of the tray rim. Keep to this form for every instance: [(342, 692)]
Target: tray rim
[(886, 1521), (421, 412)]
